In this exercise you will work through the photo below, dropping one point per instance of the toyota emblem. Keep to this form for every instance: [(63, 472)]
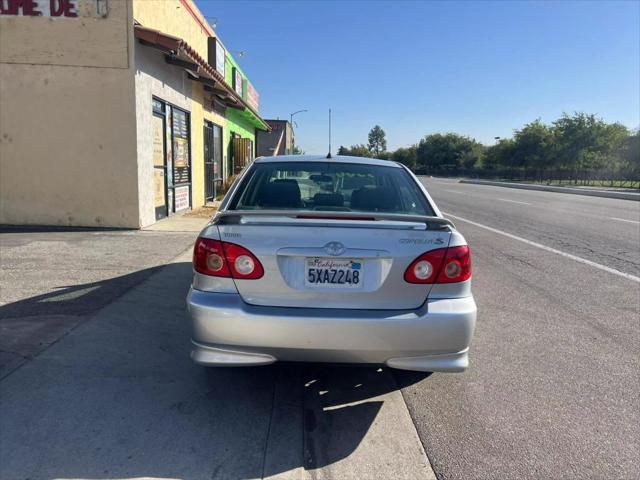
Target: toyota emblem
[(334, 248)]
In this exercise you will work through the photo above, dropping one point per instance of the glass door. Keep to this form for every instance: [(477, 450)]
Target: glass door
[(212, 160), (159, 165)]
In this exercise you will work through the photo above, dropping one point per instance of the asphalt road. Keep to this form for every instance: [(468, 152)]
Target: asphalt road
[(603, 230), (553, 390)]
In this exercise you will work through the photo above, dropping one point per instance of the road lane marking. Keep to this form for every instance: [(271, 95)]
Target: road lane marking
[(624, 220), (512, 201), (549, 249)]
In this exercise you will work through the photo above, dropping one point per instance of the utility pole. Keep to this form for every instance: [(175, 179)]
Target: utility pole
[(329, 154), (292, 132)]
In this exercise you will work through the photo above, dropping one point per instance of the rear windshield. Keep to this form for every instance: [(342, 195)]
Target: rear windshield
[(327, 186)]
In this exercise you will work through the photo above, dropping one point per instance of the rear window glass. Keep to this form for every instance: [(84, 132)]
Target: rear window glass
[(327, 186)]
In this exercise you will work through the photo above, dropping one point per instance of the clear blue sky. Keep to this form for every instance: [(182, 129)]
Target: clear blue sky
[(478, 68)]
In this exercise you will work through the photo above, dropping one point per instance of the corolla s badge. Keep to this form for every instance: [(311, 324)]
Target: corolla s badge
[(334, 248), (422, 241)]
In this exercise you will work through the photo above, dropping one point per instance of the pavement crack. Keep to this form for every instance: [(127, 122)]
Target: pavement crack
[(271, 415), (11, 352)]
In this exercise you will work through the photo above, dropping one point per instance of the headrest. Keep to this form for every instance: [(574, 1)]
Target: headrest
[(282, 193), (378, 198), (328, 199)]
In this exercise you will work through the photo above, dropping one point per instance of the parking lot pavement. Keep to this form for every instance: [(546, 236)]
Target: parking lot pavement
[(118, 397), (53, 279)]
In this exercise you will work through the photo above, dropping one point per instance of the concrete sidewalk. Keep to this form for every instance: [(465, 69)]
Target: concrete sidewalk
[(182, 223), (118, 397), (53, 279)]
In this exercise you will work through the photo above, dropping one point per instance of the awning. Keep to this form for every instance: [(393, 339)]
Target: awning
[(179, 53)]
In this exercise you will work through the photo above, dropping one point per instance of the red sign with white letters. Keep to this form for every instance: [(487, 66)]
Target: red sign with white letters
[(253, 99)]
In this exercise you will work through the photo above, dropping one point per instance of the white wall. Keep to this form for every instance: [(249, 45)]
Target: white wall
[(154, 77)]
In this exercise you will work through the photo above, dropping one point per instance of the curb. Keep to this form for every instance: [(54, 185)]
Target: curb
[(548, 188)]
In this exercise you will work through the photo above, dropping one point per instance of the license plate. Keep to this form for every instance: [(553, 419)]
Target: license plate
[(333, 272)]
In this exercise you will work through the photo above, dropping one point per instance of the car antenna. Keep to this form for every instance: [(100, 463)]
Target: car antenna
[(329, 154)]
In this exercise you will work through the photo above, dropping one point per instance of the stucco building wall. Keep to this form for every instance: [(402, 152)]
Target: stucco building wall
[(76, 116), (154, 77), (182, 19), (202, 110), (175, 17), (67, 120)]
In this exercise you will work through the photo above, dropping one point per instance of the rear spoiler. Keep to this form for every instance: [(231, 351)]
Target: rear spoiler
[(334, 219)]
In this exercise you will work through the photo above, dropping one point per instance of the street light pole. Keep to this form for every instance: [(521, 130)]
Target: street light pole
[(291, 123)]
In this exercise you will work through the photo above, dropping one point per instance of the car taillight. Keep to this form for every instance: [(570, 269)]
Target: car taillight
[(425, 268), (224, 259), (456, 266), (443, 265), (208, 258), (242, 262)]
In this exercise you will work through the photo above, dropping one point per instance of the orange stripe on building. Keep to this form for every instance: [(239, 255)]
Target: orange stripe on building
[(197, 18)]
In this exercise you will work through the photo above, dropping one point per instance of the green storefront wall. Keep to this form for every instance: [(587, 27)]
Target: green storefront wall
[(239, 122)]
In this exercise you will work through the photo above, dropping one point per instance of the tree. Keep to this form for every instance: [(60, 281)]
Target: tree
[(628, 156), (377, 141), (533, 146), (448, 151), (406, 156), (498, 156), (355, 151), (359, 151), (582, 144), (585, 142), (297, 150)]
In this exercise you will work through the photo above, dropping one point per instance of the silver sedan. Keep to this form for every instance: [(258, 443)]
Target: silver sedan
[(339, 259)]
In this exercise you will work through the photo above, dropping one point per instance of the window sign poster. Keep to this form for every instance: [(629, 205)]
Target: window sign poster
[(169, 149), (180, 127), (158, 141), (158, 180), (181, 198), (181, 170), (237, 81), (182, 153), (220, 58)]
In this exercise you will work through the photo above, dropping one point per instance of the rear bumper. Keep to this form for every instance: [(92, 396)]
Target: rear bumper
[(227, 331)]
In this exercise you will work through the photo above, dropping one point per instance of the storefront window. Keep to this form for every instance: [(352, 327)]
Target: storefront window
[(181, 170), (181, 160), (178, 156), (158, 106)]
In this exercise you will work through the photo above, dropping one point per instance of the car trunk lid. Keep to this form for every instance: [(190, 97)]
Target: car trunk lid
[(295, 246)]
